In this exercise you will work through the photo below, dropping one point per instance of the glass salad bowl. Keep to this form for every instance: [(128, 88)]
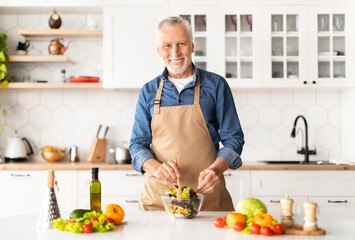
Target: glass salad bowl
[(183, 208)]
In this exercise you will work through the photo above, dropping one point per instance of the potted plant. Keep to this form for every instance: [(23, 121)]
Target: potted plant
[(4, 79)]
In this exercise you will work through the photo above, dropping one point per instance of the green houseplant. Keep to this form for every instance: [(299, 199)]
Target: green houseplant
[(3, 69)]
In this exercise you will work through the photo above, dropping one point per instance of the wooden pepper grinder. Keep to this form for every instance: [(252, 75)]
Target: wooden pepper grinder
[(310, 219), (286, 212)]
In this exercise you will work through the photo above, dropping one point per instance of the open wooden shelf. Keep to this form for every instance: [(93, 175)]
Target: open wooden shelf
[(26, 85), (31, 59), (74, 33)]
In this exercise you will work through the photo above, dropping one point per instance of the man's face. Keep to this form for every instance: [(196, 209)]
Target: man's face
[(175, 48)]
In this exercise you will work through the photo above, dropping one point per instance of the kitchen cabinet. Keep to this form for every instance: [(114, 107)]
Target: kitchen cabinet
[(238, 45), (131, 57), (331, 38), (238, 184), (307, 46), (335, 194), (122, 187), (23, 191)]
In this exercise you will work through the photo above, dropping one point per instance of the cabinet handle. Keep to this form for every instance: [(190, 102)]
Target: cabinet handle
[(330, 201), (275, 201), (314, 82), (132, 201), (134, 175), (20, 175), (304, 82), (227, 174)]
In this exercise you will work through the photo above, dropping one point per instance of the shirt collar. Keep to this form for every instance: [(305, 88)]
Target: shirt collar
[(192, 83)]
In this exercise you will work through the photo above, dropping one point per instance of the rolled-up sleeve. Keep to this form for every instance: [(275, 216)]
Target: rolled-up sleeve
[(141, 137), (231, 134)]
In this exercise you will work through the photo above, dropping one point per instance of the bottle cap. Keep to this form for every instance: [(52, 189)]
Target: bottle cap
[(94, 170)]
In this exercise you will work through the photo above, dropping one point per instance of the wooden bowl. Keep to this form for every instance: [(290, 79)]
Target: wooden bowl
[(52, 156)]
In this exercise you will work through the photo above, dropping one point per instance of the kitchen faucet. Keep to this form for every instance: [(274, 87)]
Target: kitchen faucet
[(304, 150)]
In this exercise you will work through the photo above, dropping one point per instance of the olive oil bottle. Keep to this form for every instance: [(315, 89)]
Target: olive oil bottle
[(95, 191)]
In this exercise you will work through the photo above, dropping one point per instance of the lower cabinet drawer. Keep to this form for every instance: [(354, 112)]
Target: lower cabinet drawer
[(273, 205), (126, 202), (113, 183), (343, 207)]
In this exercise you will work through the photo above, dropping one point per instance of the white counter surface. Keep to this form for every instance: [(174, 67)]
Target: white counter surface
[(159, 225)]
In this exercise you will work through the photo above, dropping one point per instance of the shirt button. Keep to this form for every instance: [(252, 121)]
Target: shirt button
[(172, 85), (179, 100)]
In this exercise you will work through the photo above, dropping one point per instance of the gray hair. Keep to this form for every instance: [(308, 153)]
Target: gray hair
[(175, 20)]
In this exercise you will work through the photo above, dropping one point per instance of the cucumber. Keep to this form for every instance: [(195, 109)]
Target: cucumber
[(78, 213)]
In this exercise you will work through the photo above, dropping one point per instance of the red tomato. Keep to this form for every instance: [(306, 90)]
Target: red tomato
[(225, 220), (110, 220), (255, 229), (276, 229), (72, 221), (87, 228), (218, 222), (94, 219), (265, 231), (238, 226)]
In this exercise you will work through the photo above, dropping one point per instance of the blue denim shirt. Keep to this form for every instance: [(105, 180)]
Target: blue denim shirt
[(217, 104)]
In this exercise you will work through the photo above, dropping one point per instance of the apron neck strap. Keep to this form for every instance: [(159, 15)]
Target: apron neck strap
[(197, 89), (160, 90)]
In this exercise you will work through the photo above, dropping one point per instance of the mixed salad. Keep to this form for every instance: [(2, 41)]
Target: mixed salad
[(187, 206), (90, 222)]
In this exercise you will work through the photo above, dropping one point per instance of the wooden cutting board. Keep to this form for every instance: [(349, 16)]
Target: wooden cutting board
[(297, 229)]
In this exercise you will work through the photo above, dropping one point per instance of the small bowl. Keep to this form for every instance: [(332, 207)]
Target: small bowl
[(52, 156), (183, 208)]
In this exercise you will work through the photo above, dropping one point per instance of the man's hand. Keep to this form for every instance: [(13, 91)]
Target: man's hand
[(167, 171), (210, 177), (207, 181)]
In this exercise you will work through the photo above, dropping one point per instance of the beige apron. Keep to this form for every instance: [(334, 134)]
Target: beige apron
[(181, 132)]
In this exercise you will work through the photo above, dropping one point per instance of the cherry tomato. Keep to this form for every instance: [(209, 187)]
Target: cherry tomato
[(276, 229), (72, 221), (110, 220), (265, 231), (87, 228), (255, 229), (238, 226), (218, 222), (225, 220), (94, 219)]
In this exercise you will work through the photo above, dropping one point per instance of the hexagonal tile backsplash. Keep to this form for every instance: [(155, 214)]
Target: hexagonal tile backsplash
[(71, 117), (66, 117)]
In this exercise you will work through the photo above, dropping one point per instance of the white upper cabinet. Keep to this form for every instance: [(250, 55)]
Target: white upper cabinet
[(331, 51), (238, 49), (285, 56), (307, 46), (130, 51)]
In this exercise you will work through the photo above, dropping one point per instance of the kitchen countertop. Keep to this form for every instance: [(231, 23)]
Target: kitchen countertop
[(159, 225), (110, 166)]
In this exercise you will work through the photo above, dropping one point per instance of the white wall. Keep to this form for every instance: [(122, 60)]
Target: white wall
[(70, 117)]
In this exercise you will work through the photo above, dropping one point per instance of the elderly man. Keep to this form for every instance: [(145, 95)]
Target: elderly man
[(184, 113)]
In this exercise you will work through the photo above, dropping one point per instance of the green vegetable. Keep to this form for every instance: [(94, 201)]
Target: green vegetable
[(76, 227), (78, 213), (251, 207)]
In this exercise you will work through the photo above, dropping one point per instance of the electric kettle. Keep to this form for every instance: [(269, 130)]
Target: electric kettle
[(16, 149)]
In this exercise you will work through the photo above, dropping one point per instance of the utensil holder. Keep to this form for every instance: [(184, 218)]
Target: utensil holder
[(97, 152)]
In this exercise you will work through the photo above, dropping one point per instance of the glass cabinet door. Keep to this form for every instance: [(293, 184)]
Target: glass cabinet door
[(285, 55), (238, 46), (331, 47)]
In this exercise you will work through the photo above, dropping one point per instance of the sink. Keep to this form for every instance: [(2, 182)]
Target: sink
[(319, 162)]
